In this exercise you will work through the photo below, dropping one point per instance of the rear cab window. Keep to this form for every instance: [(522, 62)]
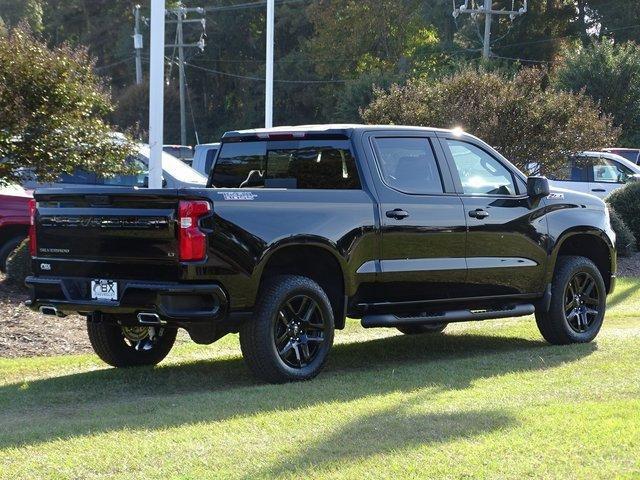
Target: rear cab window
[(301, 165)]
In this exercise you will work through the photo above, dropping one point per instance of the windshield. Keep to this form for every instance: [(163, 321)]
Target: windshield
[(174, 167)]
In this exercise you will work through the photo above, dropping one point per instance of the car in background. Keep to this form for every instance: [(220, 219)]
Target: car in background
[(204, 156), (631, 154), (175, 174), (14, 220), (596, 173), (183, 153)]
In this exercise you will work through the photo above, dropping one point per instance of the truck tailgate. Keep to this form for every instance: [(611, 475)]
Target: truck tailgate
[(107, 229)]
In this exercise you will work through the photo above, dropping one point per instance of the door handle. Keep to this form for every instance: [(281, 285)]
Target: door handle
[(478, 213), (398, 214), (598, 190)]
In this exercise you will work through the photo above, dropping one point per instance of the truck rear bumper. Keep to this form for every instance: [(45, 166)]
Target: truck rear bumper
[(175, 303)]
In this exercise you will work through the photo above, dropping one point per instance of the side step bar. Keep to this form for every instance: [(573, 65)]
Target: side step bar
[(390, 320)]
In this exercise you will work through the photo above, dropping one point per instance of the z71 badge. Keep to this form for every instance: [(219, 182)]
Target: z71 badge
[(556, 196), (242, 196)]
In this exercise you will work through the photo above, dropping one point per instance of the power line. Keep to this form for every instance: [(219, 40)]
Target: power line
[(244, 6), (553, 39), (329, 60), (260, 79), (193, 118), (114, 64), (521, 59), (488, 12), (180, 13)]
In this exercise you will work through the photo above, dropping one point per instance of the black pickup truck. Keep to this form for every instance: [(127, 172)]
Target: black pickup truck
[(302, 227)]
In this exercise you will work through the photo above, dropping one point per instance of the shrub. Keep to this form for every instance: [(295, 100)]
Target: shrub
[(519, 115), (52, 105), (625, 239), (610, 74), (19, 264), (626, 203)]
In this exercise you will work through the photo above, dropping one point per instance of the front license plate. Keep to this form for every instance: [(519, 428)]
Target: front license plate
[(104, 290)]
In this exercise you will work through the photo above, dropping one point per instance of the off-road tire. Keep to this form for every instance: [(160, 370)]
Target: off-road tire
[(257, 340), (109, 343), (420, 329), (554, 325)]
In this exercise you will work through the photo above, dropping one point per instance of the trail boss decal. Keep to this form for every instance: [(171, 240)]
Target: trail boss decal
[(240, 196)]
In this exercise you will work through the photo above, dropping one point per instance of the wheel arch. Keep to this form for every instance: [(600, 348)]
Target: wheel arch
[(591, 243), (316, 259), (11, 231)]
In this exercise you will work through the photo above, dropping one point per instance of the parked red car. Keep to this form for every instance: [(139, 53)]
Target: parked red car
[(14, 220)]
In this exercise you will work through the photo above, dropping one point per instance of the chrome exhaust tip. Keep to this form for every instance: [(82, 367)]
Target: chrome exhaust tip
[(149, 319), (49, 310)]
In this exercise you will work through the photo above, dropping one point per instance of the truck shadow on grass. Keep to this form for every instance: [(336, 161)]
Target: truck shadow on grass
[(208, 391), (396, 428)]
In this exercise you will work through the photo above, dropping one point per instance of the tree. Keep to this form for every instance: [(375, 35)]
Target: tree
[(13, 12), (51, 110), (617, 19), (517, 115), (610, 74)]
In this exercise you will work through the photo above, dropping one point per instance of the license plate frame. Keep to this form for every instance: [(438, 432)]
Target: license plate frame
[(104, 290)]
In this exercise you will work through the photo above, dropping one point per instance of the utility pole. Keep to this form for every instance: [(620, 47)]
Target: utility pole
[(487, 10), (180, 13), (183, 105), (156, 93), (138, 44), (486, 45), (268, 104)]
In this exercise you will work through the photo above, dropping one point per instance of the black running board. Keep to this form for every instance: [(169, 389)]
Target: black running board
[(390, 320)]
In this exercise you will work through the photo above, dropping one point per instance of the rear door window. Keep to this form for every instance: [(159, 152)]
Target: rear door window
[(136, 180), (409, 164), (79, 177), (303, 165), (574, 170)]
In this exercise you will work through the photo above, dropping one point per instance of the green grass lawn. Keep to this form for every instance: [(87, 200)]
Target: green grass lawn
[(484, 400)]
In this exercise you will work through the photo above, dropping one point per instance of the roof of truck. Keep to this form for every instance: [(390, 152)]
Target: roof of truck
[(321, 130)]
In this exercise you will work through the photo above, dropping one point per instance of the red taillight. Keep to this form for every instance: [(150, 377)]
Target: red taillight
[(193, 241), (33, 243)]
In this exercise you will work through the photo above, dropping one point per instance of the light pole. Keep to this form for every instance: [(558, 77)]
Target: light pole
[(268, 103), (156, 93)]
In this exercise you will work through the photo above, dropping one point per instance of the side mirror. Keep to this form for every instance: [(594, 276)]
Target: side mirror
[(145, 182), (537, 187), (633, 178)]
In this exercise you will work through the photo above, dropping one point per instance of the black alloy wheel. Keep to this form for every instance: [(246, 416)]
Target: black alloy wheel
[(299, 331), (581, 302)]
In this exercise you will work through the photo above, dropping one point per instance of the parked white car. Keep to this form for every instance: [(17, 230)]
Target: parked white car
[(175, 174), (596, 173), (204, 156)]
